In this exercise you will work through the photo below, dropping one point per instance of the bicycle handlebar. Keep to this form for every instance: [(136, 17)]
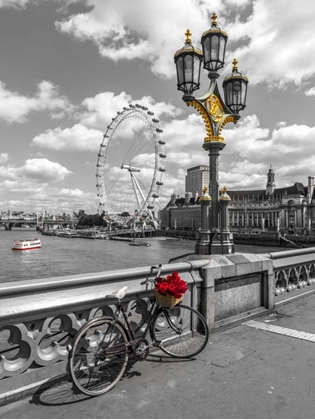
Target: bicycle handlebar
[(159, 268)]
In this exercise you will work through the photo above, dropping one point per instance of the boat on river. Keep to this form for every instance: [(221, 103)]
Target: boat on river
[(140, 244), (26, 244), (67, 234)]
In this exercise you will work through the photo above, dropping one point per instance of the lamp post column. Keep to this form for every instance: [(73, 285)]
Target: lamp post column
[(214, 148), (202, 246), (225, 235)]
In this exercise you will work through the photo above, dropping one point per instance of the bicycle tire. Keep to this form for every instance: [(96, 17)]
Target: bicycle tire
[(96, 366), (190, 337)]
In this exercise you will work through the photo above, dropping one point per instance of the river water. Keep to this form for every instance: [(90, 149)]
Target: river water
[(63, 256)]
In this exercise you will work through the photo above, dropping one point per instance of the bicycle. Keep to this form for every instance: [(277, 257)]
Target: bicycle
[(102, 347)]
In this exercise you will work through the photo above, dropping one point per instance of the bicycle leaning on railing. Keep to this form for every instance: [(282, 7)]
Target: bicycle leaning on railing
[(102, 347)]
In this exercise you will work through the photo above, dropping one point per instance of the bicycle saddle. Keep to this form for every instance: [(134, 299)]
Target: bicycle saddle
[(119, 294)]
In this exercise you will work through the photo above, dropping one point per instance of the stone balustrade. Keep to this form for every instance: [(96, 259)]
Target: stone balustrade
[(294, 272)]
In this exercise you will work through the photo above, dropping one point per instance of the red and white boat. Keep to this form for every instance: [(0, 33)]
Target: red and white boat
[(26, 244)]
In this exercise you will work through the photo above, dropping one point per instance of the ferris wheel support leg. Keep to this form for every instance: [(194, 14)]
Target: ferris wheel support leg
[(151, 217), (139, 189), (144, 200), (135, 185)]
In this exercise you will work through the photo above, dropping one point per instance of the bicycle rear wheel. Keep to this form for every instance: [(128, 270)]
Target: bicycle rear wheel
[(181, 331), (99, 356)]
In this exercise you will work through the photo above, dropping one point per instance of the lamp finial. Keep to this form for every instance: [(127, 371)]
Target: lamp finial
[(188, 36), (235, 62), (214, 19), (223, 190)]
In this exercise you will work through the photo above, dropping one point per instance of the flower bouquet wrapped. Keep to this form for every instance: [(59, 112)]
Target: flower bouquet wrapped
[(169, 290)]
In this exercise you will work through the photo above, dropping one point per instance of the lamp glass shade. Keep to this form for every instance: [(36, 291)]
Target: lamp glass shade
[(188, 67), (213, 47), (235, 92)]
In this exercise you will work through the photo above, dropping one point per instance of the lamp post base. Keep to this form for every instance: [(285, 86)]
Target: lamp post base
[(202, 245), (227, 242), (220, 244)]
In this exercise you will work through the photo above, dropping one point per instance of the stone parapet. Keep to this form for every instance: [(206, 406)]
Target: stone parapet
[(39, 318)]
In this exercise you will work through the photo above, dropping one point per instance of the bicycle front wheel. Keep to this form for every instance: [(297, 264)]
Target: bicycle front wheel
[(180, 331), (99, 356)]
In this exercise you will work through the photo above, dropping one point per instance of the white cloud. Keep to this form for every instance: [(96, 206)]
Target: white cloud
[(4, 157), (276, 46), (102, 108), (98, 113), (34, 170), (310, 92), (15, 107), (184, 133), (16, 4), (76, 138), (250, 149), (151, 31), (43, 170), (271, 45), (76, 192)]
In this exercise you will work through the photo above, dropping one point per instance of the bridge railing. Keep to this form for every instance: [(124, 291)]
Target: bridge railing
[(294, 273), (38, 318)]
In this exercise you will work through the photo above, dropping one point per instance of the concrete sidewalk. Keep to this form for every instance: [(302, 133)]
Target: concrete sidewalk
[(244, 372)]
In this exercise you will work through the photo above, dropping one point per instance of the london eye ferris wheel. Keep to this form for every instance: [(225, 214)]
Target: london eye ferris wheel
[(130, 167)]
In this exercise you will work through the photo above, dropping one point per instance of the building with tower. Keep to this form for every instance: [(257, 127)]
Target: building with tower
[(270, 182), (287, 210)]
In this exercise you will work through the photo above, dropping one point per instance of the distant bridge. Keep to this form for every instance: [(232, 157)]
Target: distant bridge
[(9, 223)]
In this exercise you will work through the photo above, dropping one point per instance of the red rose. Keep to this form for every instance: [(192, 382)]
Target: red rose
[(172, 284)]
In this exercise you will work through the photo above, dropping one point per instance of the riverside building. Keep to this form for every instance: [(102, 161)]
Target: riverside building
[(287, 210)]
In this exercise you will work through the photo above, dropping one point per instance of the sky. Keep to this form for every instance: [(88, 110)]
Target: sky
[(67, 67)]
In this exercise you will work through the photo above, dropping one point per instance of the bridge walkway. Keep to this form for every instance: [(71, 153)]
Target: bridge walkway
[(244, 372)]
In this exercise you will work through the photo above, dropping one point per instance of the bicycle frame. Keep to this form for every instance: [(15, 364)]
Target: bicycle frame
[(154, 310), (130, 332)]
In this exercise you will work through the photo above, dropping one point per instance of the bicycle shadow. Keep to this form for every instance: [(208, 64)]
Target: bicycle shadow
[(60, 390), (57, 391)]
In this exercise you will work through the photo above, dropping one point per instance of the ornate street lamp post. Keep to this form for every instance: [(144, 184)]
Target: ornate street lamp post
[(215, 112)]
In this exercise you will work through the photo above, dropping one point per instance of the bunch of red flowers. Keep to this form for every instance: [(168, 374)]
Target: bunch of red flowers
[(171, 285)]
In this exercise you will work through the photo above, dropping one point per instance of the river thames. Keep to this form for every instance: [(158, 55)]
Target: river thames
[(64, 256)]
